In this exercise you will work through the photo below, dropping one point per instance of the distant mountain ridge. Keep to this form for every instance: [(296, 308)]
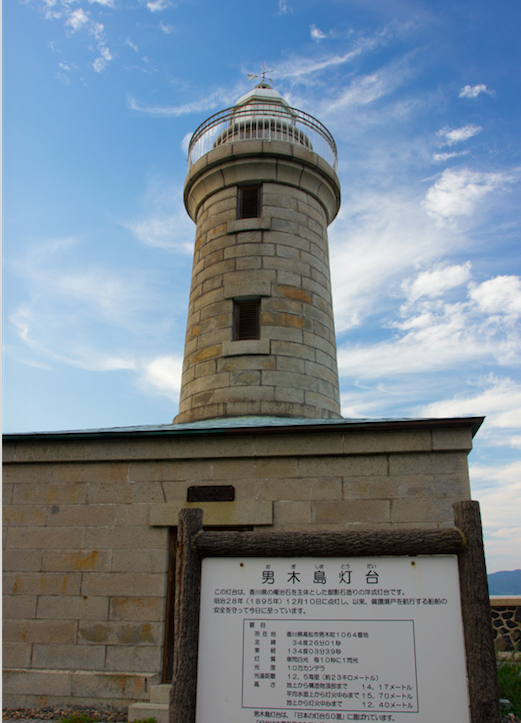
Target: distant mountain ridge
[(505, 583)]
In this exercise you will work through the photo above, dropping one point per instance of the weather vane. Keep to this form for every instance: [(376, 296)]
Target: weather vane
[(264, 71)]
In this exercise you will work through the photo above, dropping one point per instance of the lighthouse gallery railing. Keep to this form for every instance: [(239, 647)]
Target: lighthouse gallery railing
[(262, 121)]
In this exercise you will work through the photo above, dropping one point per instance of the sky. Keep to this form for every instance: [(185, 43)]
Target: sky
[(423, 99)]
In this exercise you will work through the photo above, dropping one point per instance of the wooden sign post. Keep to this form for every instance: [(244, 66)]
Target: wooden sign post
[(400, 635)]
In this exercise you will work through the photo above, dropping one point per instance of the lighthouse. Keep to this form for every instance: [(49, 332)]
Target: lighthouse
[(262, 189)]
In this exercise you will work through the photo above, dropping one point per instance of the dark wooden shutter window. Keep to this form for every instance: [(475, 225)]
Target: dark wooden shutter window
[(248, 202), (246, 319)]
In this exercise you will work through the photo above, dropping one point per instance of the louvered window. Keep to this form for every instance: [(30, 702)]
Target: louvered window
[(249, 202), (246, 320)]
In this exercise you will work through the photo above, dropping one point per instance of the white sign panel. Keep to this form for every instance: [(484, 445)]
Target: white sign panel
[(331, 639)]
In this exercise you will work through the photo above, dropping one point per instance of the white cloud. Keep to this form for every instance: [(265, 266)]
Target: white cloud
[(162, 375), (185, 143), (100, 362), (106, 3), (497, 487), (157, 5), (500, 295), (283, 7), (472, 91), (132, 45), (376, 239), (436, 282), (457, 135), (457, 192), (77, 19), (316, 34), (105, 53), (499, 399), (434, 335), (164, 231), (97, 29), (99, 64), (167, 29)]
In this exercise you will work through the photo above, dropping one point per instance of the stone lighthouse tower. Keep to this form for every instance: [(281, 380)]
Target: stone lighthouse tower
[(260, 339)]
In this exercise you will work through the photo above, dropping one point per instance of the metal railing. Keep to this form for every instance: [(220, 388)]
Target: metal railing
[(262, 121)]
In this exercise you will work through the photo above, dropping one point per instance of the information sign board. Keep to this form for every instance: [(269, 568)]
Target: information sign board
[(331, 639)]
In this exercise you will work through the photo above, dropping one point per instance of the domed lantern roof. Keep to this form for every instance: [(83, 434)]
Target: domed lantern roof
[(262, 93)]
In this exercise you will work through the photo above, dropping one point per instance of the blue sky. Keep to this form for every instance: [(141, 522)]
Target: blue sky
[(423, 99)]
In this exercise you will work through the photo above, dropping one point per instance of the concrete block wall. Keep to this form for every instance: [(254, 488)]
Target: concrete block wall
[(282, 258), (86, 530)]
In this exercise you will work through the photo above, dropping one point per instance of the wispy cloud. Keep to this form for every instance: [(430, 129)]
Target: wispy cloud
[(283, 7), (83, 314), (47, 333), (165, 223), (457, 135), (300, 67), (367, 89), (472, 91), (167, 29), (442, 157), (217, 98)]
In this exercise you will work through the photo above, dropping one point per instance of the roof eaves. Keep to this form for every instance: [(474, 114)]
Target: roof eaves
[(242, 425)]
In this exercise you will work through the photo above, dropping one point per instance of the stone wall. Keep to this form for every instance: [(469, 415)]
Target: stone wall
[(87, 517), (506, 623)]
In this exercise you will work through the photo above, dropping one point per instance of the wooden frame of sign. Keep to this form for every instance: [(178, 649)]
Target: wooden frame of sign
[(464, 540)]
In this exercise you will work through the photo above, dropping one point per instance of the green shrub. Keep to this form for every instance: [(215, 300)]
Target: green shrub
[(76, 718), (509, 676)]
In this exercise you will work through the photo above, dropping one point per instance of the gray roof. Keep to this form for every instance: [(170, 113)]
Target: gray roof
[(227, 425)]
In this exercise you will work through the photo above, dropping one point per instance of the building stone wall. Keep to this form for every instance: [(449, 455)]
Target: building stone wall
[(280, 257), (506, 622), (87, 517)]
